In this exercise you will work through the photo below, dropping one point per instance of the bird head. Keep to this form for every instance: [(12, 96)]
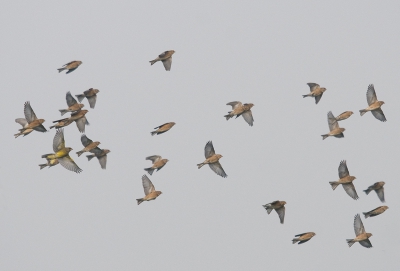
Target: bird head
[(369, 235), (381, 102), (313, 234), (158, 193), (68, 149), (323, 90), (342, 129), (283, 202), (172, 123), (351, 113), (81, 105), (106, 151), (41, 121), (165, 160), (219, 156), (352, 178), (172, 52), (79, 62), (385, 208), (96, 91)]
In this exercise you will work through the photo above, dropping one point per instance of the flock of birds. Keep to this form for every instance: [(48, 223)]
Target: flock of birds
[(61, 153)]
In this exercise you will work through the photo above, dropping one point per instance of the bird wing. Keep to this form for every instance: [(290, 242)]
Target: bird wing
[(29, 114), (366, 243), (350, 190), (217, 168), (92, 100), (358, 225), (161, 125), (96, 151), (343, 170), (167, 63), (70, 100), (58, 141), (69, 63), (381, 194), (85, 140), (21, 121), (281, 213), (235, 104), (80, 123), (40, 128), (154, 158), (301, 234), (313, 86), (378, 114), (248, 117), (103, 161), (332, 122), (317, 98), (69, 164), (209, 149), (147, 185), (371, 95)]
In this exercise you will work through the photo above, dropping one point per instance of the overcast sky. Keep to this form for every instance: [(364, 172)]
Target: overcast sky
[(261, 52)]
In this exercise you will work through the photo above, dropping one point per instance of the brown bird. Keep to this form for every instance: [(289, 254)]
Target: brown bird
[(376, 211), (166, 59), (212, 160), (149, 190), (88, 144), (239, 109), (303, 237), (73, 105), (158, 163), (361, 235), (344, 115), (345, 180), (70, 66), (279, 207), (61, 123), (373, 104), (50, 163), (30, 122), (91, 96), (378, 187), (315, 91), (334, 128), (163, 128), (101, 155), (79, 118), (62, 153)]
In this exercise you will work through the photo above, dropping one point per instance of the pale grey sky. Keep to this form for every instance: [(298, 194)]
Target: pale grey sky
[(263, 52)]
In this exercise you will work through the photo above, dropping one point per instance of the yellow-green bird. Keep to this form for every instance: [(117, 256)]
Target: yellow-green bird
[(50, 163), (61, 153)]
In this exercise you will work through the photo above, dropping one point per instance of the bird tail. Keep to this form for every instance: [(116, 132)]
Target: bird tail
[(79, 153), (153, 133), (228, 116), (80, 97), (51, 127), (17, 135), (295, 240), (350, 242), (139, 201), (153, 61), (366, 215), (42, 166), (367, 191), (49, 156), (63, 111), (200, 165), (149, 170), (89, 157), (334, 185), (324, 136), (305, 95), (60, 69), (362, 112)]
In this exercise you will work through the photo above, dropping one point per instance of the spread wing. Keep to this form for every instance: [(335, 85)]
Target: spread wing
[(378, 114), (103, 161), (209, 149), (40, 128), (69, 164), (366, 243), (371, 95), (154, 158), (58, 141), (217, 168), (358, 225), (235, 104), (147, 185), (332, 122), (248, 117), (70, 100), (80, 123), (313, 86), (350, 190), (381, 194), (167, 63), (29, 114), (21, 121), (343, 170), (281, 213), (92, 100), (85, 140), (317, 98)]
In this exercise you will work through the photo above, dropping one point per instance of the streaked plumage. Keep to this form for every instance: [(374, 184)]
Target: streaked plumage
[(158, 163), (166, 59), (91, 96), (30, 122), (149, 190), (303, 237), (344, 115), (101, 155), (334, 128), (315, 91), (212, 160), (73, 105), (163, 128), (373, 104), (378, 187), (70, 66), (88, 145), (376, 211), (239, 109), (361, 235), (279, 207), (345, 180)]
